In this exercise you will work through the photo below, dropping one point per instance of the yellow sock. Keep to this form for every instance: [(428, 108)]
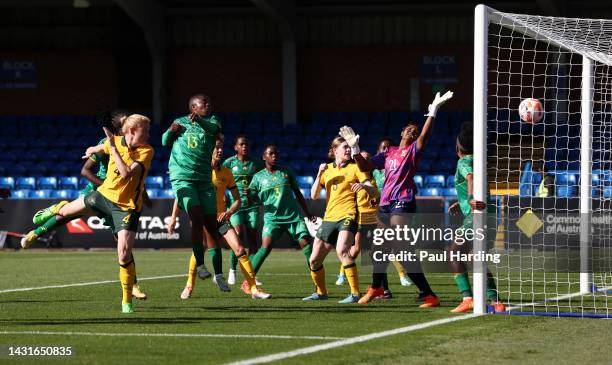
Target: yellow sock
[(127, 273), (193, 271), (399, 268), (318, 277), (247, 271), (350, 271), (341, 269)]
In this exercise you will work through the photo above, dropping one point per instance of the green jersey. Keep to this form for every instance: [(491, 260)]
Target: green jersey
[(379, 177), (192, 148), (275, 191), (102, 160), (464, 168), (243, 174)]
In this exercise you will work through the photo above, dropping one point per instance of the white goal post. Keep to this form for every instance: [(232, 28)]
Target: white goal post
[(565, 63)]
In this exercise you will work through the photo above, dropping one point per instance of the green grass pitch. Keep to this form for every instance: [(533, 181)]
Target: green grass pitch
[(162, 324)]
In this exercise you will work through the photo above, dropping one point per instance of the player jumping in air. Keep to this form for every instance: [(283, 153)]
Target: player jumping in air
[(466, 204), (275, 187), (120, 196), (223, 180), (245, 220), (341, 179), (398, 194), (192, 138), (113, 122)]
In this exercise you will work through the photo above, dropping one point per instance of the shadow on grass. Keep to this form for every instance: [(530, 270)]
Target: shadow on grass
[(90, 321)]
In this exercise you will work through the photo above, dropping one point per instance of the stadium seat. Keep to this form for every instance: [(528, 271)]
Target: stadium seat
[(450, 192), (83, 182), (434, 181), (418, 181), (323, 194), (430, 192), (450, 181), (40, 194), (153, 193), (20, 194), (305, 181), (46, 183), (65, 194), (68, 182), (565, 179), (305, 192), (25, 183), (154, 182), (7, 182), (166, 194), (570, 191)]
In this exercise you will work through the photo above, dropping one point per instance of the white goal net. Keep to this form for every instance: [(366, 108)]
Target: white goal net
[(552, 179)]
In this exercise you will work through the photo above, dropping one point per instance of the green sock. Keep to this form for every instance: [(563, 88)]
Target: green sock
[(217, 260), (307, 251), (492, 292), (463, 283), (259, 258), (233, 261), (198, 252), (49, 225)]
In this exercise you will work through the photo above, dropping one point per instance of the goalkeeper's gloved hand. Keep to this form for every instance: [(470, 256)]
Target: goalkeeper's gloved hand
[(438, 100), (351, 138)]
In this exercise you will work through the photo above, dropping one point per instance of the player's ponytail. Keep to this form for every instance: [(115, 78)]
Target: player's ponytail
[(335, 143), (134, 121)]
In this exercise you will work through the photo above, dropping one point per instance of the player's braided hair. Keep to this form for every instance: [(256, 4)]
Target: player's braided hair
[(112, 120), (465, 139)]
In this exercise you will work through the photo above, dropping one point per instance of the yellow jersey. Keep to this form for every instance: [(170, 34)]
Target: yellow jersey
[(222, 179), (126, 193), (367, 205), (341, 200)]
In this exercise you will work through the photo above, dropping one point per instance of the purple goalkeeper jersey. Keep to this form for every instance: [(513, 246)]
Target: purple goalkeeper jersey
[(400, 165)]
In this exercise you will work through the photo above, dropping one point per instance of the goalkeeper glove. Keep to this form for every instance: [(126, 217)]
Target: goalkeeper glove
[(351, 138), (438, 100)]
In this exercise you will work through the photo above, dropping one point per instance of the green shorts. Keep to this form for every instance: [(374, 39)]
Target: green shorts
[(296, 230), (365, 228), (328, 231), (87, 189), (121, 219), (248, 217), (195, 193)]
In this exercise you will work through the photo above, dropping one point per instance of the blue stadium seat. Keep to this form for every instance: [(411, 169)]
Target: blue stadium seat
[(154, 182), (65, 194), (450, 192), (323, 194), (46, 183), (167, 184), (450, 181), (564, 179), (15, 170), (38, 170), (20, 194), (40, 194), (305, 192), (153, 193), (166, 194), (305, 181), (83, 182), (293, 130), (418, 181), (425, 166), (566, 191), (68, 182), (430, 192), (25, 183), (434, 181), (7, 182)]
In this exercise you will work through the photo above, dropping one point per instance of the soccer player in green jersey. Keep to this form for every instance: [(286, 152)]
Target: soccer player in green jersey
[(245, 219), (466, 204), (278, 191), (192, 138)]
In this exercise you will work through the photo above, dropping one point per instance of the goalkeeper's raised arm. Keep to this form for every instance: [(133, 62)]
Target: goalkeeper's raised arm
[(432, 109)]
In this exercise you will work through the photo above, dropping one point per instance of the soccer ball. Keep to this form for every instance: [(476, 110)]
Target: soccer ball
[(531, 110)]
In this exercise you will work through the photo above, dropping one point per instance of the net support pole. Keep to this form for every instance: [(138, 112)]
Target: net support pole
[(586, 131), (481, 24)]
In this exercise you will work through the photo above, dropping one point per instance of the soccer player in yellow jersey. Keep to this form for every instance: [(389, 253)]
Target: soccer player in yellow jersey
[(222, 179), (120, 197), (342, 180)]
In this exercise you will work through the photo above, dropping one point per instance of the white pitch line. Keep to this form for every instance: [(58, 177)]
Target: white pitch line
[(350, 341), (555, 299), (213, 335), (86, 284)]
